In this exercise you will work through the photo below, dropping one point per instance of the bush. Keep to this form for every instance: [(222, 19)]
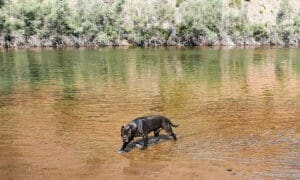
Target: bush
[(237, 25), (200, 17), (139, 22), (259, 31), (2, 20), (143, 20), (285, 12), (27, 18), (235, 3), (1, 3), (82, 19), (56, 18), (288, 21), (297, 22)]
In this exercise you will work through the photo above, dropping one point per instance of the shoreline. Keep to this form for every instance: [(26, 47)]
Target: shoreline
[(223, 47), (69, 41), (150, 47)]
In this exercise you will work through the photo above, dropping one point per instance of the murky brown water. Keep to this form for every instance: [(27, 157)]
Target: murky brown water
[(238, 109)]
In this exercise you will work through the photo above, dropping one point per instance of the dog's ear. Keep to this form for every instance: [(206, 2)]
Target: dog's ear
[(122, 128), (128, 129)]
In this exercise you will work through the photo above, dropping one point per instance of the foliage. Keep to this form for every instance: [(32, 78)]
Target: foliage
[(259, 31), (1, 3), (288, 21), (200, 17), (297, 22), (139, 22), (56, 18), (178, 2), (237, 24), (235, 3), (285, 12), (144, 20)]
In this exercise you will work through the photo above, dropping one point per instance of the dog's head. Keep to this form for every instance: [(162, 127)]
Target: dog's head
[(126, 133)]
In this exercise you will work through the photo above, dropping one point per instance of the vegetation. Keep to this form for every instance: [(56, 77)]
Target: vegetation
[(143, 23), (200, 18)]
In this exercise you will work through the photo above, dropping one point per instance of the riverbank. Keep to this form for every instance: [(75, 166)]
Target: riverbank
[(95, 23), (20, 42)]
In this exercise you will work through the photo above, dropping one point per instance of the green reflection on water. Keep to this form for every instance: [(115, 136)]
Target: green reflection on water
[(7, 72), (181, 69)]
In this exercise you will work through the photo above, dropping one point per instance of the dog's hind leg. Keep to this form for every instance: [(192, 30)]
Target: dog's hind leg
[(174, 136), (169, 131), (156, 135), (156, 132)]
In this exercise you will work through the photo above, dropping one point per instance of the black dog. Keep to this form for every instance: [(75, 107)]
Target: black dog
[(142, 126)]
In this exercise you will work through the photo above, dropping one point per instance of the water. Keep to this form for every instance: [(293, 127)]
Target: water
[(238, 109)]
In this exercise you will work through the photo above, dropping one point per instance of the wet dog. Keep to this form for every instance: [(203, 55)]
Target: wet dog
[(142, 126)]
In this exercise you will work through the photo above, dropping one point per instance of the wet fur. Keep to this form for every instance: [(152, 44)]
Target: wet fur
[(142, 126)]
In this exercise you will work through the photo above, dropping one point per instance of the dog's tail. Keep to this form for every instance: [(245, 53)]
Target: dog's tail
[(173, 125), (170, 122)]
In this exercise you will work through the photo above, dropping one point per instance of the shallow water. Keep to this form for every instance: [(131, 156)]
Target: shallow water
[(238, 110)]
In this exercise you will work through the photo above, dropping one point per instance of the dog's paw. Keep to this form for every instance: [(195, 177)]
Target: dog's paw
[(120, 151), (139, 145), (156, 141), (144, 147)]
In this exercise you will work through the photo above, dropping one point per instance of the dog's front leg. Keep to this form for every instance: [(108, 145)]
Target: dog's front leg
[(124, 146), (126, 143), (145, 139)]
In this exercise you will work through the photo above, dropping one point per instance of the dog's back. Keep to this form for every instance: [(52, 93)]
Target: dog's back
[(151, 122)]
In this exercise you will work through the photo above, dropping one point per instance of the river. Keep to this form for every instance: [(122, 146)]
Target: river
[(61, 112)]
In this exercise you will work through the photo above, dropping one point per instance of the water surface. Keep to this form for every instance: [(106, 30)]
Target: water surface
[(238, 110)]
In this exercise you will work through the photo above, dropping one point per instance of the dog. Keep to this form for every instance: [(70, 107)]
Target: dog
[(142, 126)]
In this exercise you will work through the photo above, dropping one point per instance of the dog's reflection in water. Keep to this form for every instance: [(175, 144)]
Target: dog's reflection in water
[(139, 144)]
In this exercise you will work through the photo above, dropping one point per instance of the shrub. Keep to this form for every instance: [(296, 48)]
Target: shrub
[(31, 16), (235, 3), (2, 20), (102, 39), (57, 13), (297, 22), (237, 25), (1, 3), (200, 17), (139, 22), (143, 20), (178, 2), (285, 12), (288, 22), (259, 31)]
